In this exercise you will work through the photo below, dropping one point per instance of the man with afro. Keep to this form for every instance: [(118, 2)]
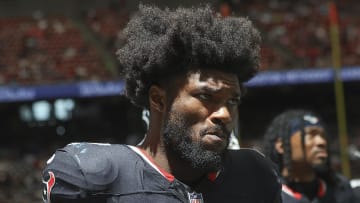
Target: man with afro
[(187, 67)]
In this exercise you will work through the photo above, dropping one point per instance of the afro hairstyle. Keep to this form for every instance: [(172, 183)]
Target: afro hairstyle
[(163, 43)]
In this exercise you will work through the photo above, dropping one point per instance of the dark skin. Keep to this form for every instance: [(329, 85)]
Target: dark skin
[(315, 153), (202, 98), (303, 172)]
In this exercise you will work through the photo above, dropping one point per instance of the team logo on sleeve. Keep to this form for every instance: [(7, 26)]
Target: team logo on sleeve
[(49, 184), (195, 197)]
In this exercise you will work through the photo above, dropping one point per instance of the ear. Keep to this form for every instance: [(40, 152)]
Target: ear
[(157, 98), (279, 146)]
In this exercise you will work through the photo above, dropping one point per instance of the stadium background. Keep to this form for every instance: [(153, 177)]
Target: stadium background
[(59, 79)]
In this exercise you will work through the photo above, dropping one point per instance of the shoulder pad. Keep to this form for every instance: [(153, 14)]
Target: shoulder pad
[(88, 166), (253, 159), (254, 150)]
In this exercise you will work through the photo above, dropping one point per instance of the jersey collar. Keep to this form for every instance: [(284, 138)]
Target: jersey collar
[(211, 176), (321, 190)]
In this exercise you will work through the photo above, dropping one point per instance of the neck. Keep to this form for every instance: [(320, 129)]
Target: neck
[(300, 174), (309, 189), (172, 164), (154, 147)]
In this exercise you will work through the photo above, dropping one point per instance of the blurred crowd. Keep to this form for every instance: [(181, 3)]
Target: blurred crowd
[(47, 49), (297, 33), (42, 49), (20, 174)]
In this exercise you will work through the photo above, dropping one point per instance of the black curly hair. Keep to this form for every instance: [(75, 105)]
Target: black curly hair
[(282, 126), (164, 43)]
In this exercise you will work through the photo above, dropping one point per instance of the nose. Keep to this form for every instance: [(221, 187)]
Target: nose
[(321, 141), (222, 115)]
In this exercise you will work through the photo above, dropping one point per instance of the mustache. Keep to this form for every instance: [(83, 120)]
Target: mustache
[(219, 130), (321, 151)]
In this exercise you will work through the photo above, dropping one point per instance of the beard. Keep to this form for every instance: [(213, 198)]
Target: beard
[(178, 142), (321, 167)]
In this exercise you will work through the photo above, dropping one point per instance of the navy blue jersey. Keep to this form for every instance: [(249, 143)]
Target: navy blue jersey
[(121, 173), (341, 192)]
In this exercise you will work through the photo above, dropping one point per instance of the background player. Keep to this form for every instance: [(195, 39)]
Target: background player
[(296, 141)]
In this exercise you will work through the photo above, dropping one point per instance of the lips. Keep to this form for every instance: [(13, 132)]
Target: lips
[(217, 130), (221, 135), (214, 140), (322, 154)]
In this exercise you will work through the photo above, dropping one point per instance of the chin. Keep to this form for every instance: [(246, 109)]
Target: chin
[(321, 166), (216, 149)]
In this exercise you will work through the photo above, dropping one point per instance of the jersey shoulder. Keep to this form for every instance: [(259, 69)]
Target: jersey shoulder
[(247, 176), (253, 158), (81, 167)]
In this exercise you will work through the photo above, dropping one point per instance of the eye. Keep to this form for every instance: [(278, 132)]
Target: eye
[(204, 96), (234, 102)]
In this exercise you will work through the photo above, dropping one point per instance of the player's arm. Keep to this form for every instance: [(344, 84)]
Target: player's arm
[(87, 200), (65, 178), (67, 193), (78, 171), (58, 190)]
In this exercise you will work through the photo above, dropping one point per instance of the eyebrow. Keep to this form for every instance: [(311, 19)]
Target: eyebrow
[(216, 90)]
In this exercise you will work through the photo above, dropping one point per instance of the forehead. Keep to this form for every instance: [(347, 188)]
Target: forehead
[(314, 130), (214, 78), (309, 130)]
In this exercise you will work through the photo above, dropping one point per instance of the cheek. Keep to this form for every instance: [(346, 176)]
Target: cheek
[(296, 148), (192, 111), (309, 151), (297, 153)]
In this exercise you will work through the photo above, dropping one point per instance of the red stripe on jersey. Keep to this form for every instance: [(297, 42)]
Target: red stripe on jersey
[(212, 176), (49, 185), (322, 189), (291, 192), (166, 174)]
